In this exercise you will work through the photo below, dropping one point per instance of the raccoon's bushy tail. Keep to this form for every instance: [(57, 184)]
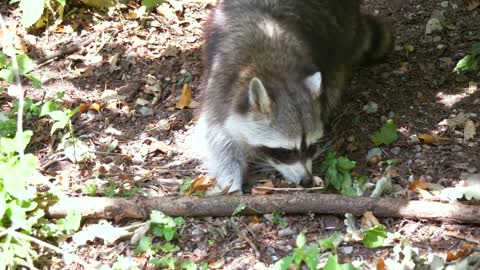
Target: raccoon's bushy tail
[(377, 39)]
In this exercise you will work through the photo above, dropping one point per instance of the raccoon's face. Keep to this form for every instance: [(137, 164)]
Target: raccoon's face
[(282, 123)]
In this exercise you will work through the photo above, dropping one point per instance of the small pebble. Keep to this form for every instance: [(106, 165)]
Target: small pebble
[(391, 115), (286, 232), (146, 111), (437, 39), (396, 150), (444, 4), (457, 148), (418, 148), (384, 118)]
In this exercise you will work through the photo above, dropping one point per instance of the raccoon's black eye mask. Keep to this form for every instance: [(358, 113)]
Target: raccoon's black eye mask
[(288, 156)]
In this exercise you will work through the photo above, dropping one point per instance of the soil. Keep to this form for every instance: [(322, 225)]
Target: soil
[(141, 141)]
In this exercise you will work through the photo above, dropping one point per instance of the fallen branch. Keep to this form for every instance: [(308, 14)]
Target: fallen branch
[(300, 203), (67, 50)]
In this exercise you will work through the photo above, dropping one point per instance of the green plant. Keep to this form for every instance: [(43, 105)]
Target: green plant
[(471, 61), (386, 135), (278, 219), (309, 255), (337, 175), (333, 264), (164, 228), (375, 236), (22, 220)]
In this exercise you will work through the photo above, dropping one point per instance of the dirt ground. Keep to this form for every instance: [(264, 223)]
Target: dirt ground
[(147, 61)]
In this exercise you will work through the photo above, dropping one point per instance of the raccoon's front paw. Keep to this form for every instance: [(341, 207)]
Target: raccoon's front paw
[(231, 187)]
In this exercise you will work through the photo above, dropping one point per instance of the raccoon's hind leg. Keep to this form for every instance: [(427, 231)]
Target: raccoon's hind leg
[(375, 39)]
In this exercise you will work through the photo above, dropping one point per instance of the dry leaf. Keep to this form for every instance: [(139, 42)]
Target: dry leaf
[(465, 250), (469, 130), (83, 107), (259, 191), (418, 185), (95, 107), (458, 120), (185, 97), (473, 5), (201, 183), (165, 10), (430, 139), (381, 264), (369, 220), (254, 219)]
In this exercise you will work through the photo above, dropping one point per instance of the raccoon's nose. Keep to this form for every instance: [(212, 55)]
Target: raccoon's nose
[(306, 181)]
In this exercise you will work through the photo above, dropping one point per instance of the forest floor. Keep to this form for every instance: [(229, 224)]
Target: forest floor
[(135, 70)]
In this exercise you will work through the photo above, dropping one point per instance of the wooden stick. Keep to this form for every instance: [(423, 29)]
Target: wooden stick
[(299, 203)]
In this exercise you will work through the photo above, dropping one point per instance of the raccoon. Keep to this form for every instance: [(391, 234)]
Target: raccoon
[(273, 72)]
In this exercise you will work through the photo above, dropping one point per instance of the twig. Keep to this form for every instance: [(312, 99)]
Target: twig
[(290, 189), (66, 50), (242, 235)]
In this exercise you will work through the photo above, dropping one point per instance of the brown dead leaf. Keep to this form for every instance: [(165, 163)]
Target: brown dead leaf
[(430, 139), (95, 107), (369, 220), (165, 10), (254, 219), (201, 183), (83, 107), (418, 185), (464, 251), (257, 190), (381, 264), (472, 5), (185, 97)]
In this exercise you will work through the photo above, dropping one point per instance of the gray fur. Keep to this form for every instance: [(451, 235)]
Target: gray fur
[(274, 69)]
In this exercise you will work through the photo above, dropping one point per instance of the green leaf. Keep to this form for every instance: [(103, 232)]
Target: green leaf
[(283, 264), (15, 180), (25, 64), (375, 236), (159, 217), (331, 242), (62, 2), (301, 240), (311, 256), (7, 75), (345, 163), (144, 244), (48, 107), (72, 221), (3, 59), (241, 206), (386, 135), (17, 214), (467, 63), (169, 233), (150, 4), (188, 265), (36, 82), (187, 183), (169, 248), (279, 219), (32, 10)]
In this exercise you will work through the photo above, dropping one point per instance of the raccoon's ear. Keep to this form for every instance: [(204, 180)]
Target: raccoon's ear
[(314, 83), (258, 97)]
